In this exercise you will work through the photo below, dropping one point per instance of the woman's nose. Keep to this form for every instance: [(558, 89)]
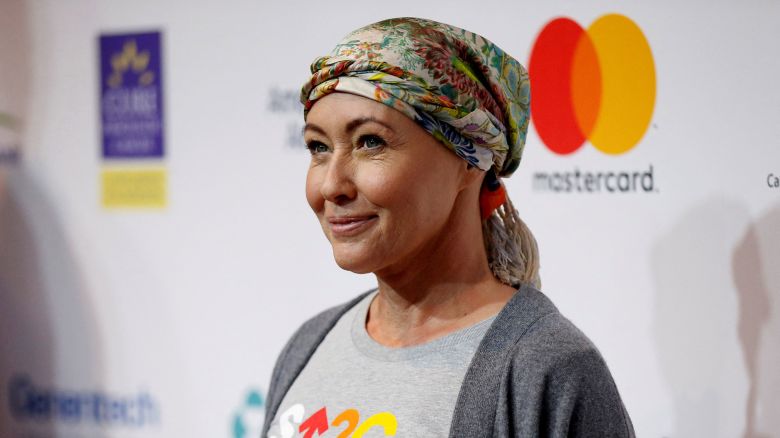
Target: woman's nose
[(339, 185)]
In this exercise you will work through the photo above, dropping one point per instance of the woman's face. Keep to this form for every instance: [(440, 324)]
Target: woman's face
[(382, 188)]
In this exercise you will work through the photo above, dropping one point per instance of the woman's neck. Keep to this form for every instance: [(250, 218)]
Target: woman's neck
[(395, 320), (446, 287)]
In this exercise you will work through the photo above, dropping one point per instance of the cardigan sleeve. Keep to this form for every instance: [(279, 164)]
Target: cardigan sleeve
[(557, 385), (274, 392)]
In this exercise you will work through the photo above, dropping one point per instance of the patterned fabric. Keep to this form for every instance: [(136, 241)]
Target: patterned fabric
[(457, 85)]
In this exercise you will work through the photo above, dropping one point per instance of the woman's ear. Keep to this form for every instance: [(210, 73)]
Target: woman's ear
[(473, 176)]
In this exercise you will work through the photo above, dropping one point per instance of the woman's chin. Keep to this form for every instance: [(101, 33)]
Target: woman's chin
[(355, 261)]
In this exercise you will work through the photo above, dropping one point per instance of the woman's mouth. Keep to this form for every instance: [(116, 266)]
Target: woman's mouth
[(348, 226)]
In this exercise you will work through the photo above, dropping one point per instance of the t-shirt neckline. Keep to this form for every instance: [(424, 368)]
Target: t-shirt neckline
[(371, 348)]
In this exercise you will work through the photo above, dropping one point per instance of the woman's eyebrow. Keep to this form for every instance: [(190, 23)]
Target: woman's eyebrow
[(312, 127), (351, 126)]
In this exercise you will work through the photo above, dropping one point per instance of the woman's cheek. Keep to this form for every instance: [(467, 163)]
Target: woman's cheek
[(313, 195), (376, 185), (395, 175)]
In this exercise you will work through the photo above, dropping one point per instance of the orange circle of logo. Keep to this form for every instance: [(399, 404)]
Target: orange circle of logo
[(597, 84)]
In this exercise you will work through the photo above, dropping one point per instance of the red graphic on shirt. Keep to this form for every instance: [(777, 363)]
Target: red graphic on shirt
[(318, 423)]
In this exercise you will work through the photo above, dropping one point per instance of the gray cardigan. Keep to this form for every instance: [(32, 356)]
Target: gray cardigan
[(534, 375)]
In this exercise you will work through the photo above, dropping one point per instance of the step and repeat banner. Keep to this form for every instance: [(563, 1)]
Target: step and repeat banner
[(157, 251)]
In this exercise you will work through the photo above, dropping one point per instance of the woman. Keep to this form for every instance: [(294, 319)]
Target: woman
[(456, 340)]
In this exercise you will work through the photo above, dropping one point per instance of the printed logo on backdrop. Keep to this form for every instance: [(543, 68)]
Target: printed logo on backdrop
[(131, 115), (286, 103), (10, 142), (773, 180), (34, 403), (597, 86), (131, 95), (248, 417)]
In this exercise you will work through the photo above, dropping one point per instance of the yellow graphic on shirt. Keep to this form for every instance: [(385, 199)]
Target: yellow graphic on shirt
[(318, 423), (385, 420)]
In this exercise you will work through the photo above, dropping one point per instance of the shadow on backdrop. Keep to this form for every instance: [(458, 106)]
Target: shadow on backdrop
[(757, 279), (716, 320), (695, 319), (48, 333)]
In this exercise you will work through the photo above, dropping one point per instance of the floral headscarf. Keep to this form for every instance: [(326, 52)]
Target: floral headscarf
[(461, 88)]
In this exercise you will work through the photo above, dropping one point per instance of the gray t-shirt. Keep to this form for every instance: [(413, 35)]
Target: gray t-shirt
[(355, 385)]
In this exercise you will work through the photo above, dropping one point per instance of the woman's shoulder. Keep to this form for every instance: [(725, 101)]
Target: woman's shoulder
[(300, 347), (313, 330), (553, 372), (537, 331)]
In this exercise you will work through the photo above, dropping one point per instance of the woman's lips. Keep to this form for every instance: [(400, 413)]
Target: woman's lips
[(347, 226)]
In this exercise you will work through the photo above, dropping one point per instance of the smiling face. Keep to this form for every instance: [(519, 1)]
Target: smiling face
[(382, 188)]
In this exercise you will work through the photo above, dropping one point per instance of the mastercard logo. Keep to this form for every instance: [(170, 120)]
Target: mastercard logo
[(596, 84)]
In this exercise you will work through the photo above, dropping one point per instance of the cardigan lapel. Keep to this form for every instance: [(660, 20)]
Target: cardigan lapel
[(475, 410)]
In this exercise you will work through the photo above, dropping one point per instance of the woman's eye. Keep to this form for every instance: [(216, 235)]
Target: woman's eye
[(371, 142), (316, 147)]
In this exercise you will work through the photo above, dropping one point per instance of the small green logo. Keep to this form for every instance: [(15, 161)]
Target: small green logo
[(248, 419), (8, 121)]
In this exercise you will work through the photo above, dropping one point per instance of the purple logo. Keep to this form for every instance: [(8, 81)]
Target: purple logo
[(131, 95)]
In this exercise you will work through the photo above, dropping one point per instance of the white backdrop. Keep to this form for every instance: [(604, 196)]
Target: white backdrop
[(170, 320)]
